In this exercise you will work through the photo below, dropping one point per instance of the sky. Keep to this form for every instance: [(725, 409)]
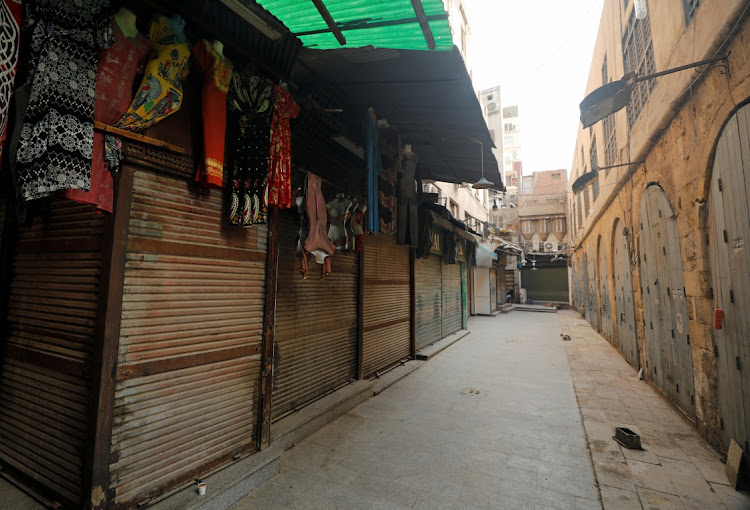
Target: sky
[(539, 52)]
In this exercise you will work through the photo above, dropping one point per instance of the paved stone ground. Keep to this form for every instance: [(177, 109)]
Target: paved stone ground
[(11, 498), (676, 469), (490, 423)]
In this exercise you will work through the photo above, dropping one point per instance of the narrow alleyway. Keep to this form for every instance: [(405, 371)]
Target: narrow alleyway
[(492, 422)]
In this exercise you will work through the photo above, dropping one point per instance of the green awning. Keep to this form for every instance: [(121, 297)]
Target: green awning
[(378, 23)]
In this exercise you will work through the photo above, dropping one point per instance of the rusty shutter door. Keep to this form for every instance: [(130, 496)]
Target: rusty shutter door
[(186, 397), (604, 294), (386, 313), (730, 264), (44, 377), (428, 280), (624, 307), (665, 307), (316, 324), (493, 289), (452, 306)]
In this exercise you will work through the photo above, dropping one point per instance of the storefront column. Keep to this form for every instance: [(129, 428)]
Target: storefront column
[(269, 329)]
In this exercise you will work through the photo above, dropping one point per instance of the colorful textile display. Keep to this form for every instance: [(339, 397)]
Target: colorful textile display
[(373, 165), (280, 168), (387, 201), (116, 71), (55, 146), (250, 107), (10, 39), (217, 75), (358, 227), (160, 93)]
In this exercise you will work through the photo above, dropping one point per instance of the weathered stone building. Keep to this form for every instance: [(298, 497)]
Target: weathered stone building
[(659, 244)]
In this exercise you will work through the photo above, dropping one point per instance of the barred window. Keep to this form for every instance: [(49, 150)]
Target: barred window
[(580, 216), (527, 226), (593, 155), (638, 55), (690, 7), (610, 131), (586, 204), (542, 226), (595, 188), (558, 225)]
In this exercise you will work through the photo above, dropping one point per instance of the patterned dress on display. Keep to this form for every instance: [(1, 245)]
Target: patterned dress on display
[(251, 101), (160, 93), (57, 135), (10, 38), (116, 73), (217, 75), (280, 171)]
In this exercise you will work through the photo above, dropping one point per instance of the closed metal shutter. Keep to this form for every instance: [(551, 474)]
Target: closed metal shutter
[(593, 293), (386, 311), (44, 377), (668, 356), (186, 397), (604, 293), (428, 282), (624, 307), (493, 289), (730, 264), (316, 324), (452, 306)]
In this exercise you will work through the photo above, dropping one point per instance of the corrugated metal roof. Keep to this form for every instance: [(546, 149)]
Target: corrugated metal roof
[(379, 23)]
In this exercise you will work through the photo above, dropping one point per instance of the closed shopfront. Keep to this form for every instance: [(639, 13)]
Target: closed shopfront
[(44, 374), (387, 303), (604, 294), (316, 324), (668, 357), (428, 282), (452, 303), (730, 267), (188, 368), (624, 307)]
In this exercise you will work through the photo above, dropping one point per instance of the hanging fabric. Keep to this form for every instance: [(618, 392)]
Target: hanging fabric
[(10, 40), (339, 213), (408, 229), (373, 164), (250, 102), (280, 168), (55, 148), (387, 201), (116, 70), (160, 93), (316, 242), (217, 75)]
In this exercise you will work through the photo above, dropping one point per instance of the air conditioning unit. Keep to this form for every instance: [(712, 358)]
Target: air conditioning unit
[(550, 247)]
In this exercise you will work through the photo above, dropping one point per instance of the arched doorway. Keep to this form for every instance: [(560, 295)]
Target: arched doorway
[(624, 308), (668, 359), (585, 285), (604, 293), (593, 296), (729, 242)]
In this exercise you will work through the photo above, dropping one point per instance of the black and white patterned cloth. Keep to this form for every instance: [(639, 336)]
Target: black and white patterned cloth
[(57, 135)]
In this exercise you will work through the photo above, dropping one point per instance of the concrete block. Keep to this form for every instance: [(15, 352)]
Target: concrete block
[(734, 464)]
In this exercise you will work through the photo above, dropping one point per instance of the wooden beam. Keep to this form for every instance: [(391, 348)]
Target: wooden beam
[(269, 330), (424, 24), (104, 128), (108, 315), (330, 21)]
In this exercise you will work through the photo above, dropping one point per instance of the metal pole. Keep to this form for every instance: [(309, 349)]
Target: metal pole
[(681, 68)]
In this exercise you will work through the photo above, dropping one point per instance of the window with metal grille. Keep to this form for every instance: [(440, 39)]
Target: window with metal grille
[(638, 55), (595, 188), (542, 226), (690, 7), (593, 155), (610, 132), (586, 204), (580, 215)]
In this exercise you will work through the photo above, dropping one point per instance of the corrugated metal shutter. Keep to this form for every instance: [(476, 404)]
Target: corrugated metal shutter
[(730, 263), (186, 397), (452, 306), (428, 282), (44, 382), (493, 289), (386, 304), (664, 305), (316, 324)]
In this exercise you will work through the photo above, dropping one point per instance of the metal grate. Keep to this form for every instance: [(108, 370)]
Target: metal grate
[(610, 130), (638, 56)]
